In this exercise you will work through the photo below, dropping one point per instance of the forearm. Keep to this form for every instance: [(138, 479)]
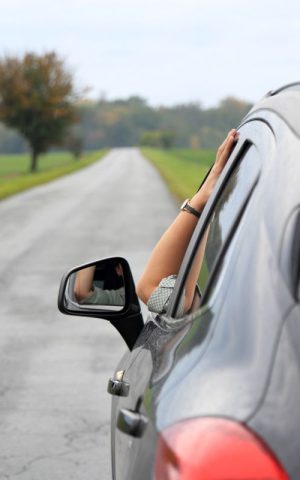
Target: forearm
[(168, 254), (83, 283)]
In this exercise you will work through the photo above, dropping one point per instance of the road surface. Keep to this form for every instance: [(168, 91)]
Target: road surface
[(54, 409)]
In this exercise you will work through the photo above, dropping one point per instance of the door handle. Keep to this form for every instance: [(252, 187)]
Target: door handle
[(117, 386), (131, 422)]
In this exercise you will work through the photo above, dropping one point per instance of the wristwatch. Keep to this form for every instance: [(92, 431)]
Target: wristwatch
[(186, 207)]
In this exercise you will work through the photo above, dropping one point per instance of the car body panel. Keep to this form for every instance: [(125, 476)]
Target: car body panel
[(277, 419), (220, 361), (286, 106)]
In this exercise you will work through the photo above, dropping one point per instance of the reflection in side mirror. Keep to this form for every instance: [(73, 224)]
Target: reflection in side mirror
[(103, 289), (98, 287)]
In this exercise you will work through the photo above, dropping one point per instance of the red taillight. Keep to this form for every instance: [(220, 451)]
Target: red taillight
[(214, 449)]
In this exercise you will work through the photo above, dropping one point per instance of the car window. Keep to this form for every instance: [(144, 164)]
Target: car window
[(228, 209)]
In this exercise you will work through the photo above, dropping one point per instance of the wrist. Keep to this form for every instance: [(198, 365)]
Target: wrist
[(198, 202), (187, 207)]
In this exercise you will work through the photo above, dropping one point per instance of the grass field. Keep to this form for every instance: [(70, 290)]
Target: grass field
[(182, 169), (14, 176)]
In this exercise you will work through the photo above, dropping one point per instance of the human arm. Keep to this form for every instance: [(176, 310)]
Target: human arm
[(88, 293), (168, 254), (83, 287)]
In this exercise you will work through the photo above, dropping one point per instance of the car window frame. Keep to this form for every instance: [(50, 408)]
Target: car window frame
[(289, 257), (251, 135), (227, 242)]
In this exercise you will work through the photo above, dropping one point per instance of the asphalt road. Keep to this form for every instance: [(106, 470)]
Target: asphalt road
[(54, 409)]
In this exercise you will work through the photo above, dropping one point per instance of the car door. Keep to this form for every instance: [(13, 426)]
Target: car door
[(147, 369)]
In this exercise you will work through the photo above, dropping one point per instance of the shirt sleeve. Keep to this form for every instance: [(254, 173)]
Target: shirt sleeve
[(160, 297), (106, 297)]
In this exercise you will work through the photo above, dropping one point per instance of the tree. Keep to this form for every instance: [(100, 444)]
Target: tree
[(36, 98), (158, 138), (74, 142), (167, 139)]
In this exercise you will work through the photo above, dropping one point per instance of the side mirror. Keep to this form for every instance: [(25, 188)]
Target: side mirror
[(103, 289)]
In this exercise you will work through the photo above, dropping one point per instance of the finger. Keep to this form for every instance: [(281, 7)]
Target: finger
[(223, 154), (222, 146), (226, 151), (230, 133)]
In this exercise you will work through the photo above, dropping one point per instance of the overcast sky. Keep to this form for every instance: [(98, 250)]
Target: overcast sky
[(168, 51)]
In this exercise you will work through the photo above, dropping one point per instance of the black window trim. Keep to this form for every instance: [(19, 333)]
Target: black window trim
[(289, 256), (295, 254), (203, 222)]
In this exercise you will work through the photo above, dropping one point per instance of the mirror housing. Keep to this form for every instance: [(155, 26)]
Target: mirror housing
[(110, 276)]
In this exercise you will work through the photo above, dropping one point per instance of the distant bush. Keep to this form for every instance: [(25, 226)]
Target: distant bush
[(158, 138), (74, 143)]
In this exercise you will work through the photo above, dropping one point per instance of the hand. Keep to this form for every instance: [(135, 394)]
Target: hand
[(223, 153)]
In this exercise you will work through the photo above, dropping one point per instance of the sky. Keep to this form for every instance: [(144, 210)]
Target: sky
[(166, 51)]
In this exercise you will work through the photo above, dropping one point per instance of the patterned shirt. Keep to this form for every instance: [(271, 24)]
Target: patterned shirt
[(105, 297), (160, 297)]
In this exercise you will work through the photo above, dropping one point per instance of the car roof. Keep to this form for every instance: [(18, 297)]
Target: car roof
[(284, 102)]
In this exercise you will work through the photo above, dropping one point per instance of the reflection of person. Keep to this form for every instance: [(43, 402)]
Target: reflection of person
[(157, 281), (87, 292)]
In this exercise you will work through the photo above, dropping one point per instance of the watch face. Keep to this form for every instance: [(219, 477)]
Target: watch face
[(186, 207), (184, 204)]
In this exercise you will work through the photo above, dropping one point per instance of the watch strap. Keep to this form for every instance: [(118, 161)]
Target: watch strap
[(187, 208)]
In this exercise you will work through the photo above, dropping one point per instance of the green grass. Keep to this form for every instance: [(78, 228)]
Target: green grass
[(182, 169), (14, 176)]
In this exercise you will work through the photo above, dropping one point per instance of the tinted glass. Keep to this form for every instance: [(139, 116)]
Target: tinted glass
[(227, 210)]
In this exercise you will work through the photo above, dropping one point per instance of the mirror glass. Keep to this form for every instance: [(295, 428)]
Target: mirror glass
[(99, 286)]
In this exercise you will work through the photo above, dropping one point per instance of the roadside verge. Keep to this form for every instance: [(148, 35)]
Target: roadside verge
[(182, 169), (17, 182)]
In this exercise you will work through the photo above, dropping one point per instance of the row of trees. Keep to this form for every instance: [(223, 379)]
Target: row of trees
[(41, 109), (132, 122)]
